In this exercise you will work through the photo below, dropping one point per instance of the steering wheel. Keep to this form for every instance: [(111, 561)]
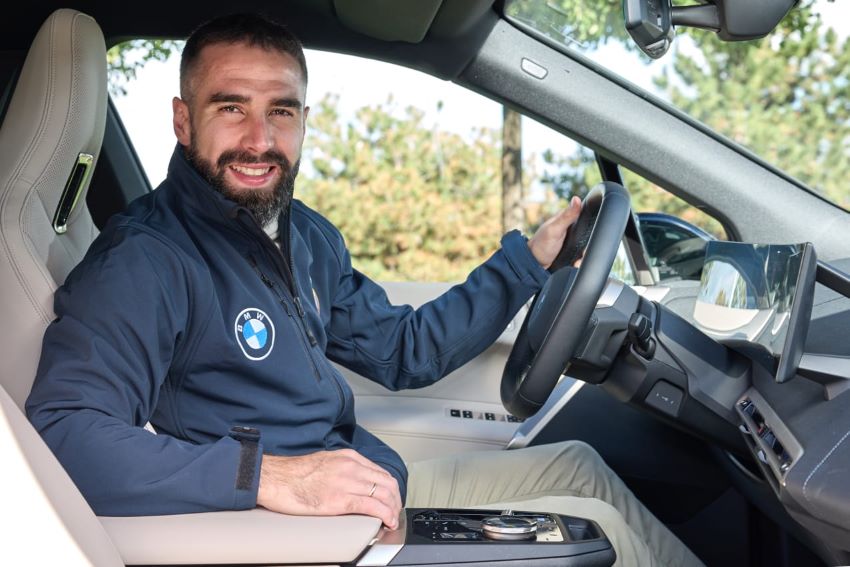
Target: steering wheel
[(556, 322)]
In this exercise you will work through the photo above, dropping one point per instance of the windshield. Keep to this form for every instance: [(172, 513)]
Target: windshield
[(785, 97)]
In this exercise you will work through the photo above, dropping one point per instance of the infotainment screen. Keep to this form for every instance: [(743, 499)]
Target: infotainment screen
[(759, 294)]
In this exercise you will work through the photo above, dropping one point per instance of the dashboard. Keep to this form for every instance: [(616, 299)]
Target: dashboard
[(779, 405)]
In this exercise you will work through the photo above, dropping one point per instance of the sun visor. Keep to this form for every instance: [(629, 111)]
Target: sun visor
[(388, 20), (410, 21)]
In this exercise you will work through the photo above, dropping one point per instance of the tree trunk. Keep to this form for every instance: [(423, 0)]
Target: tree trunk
[(513, 213)]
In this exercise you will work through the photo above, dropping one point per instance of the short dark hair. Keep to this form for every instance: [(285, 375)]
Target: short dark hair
[(253, 29)]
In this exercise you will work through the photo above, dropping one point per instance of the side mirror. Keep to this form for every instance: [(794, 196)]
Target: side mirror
[(651, 23)]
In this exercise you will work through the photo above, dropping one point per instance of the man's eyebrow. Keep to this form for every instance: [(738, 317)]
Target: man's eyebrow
[(228, 97), (287, 103)]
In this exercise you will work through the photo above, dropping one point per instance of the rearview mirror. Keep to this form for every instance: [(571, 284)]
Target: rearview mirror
[(651, 23), (648, 22)]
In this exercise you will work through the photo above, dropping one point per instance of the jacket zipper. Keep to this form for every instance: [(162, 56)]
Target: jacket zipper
[(286, 249), (293, 289), (271, 285)]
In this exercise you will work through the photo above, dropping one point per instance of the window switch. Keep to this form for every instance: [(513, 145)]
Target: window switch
[(490, 416), (467, 414), (454, 413)]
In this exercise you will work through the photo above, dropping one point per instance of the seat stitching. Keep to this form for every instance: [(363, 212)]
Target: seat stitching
[(16, 175)]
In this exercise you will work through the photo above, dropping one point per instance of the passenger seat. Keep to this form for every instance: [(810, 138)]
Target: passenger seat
[(49, 143)]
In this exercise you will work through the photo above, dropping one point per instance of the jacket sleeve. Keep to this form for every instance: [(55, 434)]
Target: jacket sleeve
[(400, 347), (120, 319)]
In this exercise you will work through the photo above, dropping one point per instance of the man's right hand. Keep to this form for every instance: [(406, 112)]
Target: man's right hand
[(329, 483)]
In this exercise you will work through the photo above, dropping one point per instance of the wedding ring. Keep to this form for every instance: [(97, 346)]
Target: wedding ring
[(374, 487)]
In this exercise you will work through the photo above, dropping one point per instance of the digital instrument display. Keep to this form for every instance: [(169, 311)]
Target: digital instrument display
[(761, 294)]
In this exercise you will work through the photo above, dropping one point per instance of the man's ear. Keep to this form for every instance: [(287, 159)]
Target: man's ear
[(304, 118), (180, 120)]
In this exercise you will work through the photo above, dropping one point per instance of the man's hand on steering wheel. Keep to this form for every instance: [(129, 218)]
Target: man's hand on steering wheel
[(549, 238), (556, 322)]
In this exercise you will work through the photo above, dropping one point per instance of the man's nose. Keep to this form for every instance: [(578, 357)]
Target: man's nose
[(258, 135)]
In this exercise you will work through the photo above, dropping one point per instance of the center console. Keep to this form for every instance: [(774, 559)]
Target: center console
[(505, 538)]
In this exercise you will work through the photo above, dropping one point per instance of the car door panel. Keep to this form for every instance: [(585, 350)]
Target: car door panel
[(419, 423)]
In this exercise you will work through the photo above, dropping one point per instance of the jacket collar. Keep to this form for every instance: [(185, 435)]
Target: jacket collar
[(189, 190)]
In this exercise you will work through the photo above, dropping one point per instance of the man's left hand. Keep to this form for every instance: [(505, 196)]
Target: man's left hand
[(549, 238)]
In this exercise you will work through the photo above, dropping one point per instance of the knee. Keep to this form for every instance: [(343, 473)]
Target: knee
[(578, 454)]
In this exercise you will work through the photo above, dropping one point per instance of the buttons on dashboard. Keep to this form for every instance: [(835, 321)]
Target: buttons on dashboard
[(484, 416)]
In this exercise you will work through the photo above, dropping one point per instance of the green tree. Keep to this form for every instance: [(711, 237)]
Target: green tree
[(125, 59), (785, 97), (414, 203)]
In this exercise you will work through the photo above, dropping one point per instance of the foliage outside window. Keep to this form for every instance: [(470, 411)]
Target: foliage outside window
[(785, 97)]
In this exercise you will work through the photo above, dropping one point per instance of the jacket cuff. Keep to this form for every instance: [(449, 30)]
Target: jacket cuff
[(522, 261), (247, 483)]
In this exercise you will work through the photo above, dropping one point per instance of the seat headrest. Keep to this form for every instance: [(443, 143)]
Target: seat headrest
[(56, 113)]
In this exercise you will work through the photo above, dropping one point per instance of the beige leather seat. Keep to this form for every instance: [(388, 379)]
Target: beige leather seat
[(57, 112), (49, 142)]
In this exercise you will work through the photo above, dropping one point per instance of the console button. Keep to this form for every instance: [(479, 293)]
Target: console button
[(665, 397), (454, 413), (509, 528)]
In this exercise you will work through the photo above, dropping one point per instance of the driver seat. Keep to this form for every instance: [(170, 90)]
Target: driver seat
[(49, 142)]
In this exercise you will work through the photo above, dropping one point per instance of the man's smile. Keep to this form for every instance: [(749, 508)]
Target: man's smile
[(254, 175)]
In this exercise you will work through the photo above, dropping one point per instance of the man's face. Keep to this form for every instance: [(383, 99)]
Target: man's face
[(243, 124)]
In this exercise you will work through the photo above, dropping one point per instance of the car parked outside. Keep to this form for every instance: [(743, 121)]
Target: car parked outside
[(675, 247)]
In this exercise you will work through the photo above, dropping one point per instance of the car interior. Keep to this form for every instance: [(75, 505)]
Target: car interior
[(728, 418)]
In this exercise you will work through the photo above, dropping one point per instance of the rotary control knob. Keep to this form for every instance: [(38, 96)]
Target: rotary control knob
[(509, 528)]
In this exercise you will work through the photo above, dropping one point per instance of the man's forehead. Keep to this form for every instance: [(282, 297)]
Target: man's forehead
[(247, 70)]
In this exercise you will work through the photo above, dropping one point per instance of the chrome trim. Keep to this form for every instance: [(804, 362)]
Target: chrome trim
[(611, 293), (71, 194), (386, 545), (564, 391)]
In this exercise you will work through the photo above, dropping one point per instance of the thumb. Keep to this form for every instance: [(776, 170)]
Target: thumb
[(568, 216)]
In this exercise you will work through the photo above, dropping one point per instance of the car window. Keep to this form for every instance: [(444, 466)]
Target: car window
[(407, 166), (780, 96)]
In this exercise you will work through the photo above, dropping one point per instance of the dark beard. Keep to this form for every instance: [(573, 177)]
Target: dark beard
[(265, 205)]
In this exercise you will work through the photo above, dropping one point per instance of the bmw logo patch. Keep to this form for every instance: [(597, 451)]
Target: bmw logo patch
[(254, 333)]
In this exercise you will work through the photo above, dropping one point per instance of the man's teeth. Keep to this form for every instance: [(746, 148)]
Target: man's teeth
[(251, 170)]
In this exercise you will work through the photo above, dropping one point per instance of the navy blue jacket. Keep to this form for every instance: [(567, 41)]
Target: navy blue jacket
[(184, 313)]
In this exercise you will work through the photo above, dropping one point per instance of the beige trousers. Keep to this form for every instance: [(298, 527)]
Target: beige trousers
[(567, 478)]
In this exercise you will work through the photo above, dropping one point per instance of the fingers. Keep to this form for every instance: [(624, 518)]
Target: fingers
[(374, 507), (386, 489), (364, 491), (329, 483), (389, 500), (564, 219), (383, 478), (549, 238), (571, 213)]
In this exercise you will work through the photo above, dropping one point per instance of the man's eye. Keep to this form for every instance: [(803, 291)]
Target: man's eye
[(281, 112), (229, 108)]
